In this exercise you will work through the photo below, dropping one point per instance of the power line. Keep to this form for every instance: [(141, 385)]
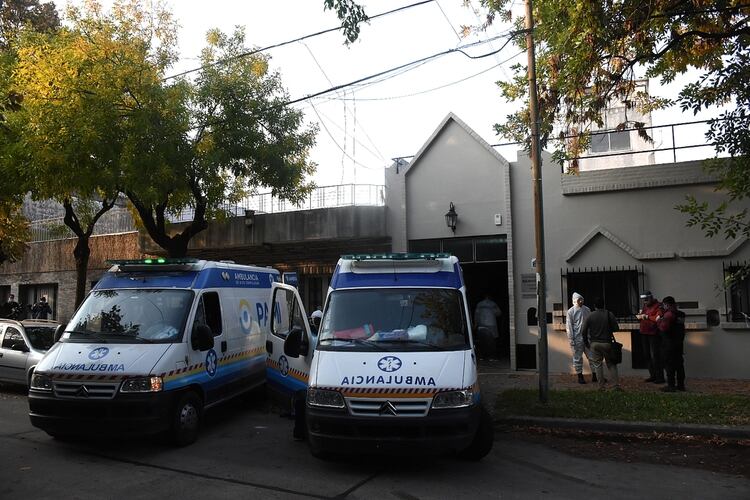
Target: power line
[(288, 42)]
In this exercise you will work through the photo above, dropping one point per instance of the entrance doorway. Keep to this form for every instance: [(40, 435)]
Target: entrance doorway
[(491, 278)]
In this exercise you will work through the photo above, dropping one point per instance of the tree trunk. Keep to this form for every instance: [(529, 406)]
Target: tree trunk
[(155, 223), (81, 252)]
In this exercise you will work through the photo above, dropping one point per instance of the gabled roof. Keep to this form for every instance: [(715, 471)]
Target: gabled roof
[(450, 117), (606, 233)]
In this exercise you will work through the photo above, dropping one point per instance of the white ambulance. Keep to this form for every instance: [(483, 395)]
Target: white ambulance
[(155, 343), (393, 365)]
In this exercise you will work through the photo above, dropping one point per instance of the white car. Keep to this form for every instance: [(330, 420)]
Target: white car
[(22, 346)]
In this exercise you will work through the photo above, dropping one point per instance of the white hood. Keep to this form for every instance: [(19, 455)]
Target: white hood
[(390, 370), (68, 358)]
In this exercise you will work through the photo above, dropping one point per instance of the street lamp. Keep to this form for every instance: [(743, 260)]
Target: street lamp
[(451, 217)]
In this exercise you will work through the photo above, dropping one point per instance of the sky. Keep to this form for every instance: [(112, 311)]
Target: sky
[(364, 127)]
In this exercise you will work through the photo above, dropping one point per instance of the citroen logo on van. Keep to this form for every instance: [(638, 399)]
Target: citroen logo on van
[(387, 408), (389, 363), (82, 392)]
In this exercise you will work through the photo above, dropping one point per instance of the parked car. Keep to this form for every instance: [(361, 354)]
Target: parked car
[(22, 346)]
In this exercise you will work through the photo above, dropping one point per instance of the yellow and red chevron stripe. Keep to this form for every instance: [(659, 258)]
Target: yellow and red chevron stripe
[(389, 392), (291, 372)]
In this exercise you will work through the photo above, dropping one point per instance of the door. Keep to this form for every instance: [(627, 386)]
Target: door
[(213, 372), (14, 354), (287, 370)]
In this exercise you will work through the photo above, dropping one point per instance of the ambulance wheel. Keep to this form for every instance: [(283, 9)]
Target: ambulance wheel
[(483, 439), (186, 419)]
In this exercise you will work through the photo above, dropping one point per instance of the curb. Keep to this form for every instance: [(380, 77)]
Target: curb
[(625, 427)]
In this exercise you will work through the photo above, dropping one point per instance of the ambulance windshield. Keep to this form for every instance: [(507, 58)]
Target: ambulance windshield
[(131, 316), (394, 319)]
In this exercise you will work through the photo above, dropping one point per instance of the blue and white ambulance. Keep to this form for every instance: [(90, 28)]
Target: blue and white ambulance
[(393, 365), (155, 343)]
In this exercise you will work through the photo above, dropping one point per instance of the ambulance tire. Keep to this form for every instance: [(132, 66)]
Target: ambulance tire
[(483, 439), (186, 419)]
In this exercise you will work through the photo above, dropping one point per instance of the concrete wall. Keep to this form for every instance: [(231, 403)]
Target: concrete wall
[(626, 217)]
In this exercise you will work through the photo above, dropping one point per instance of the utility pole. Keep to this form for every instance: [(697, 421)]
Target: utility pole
[(536, 180)]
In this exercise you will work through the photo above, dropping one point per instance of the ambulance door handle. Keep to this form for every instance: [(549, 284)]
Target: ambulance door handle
[(269, 347), (223, 346)]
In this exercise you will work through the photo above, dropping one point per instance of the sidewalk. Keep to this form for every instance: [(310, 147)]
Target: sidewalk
[(494, 379)]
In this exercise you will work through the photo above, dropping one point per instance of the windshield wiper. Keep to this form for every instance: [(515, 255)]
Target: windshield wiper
[(355, 341), (418, 342), (95, 335), (131, 336)]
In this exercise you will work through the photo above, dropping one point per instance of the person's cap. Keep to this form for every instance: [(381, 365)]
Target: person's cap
[(646, 295), (317, 314)]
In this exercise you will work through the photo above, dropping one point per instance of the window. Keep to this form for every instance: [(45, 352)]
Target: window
[(12, 337), (612, 141), (286, 313), (28, 295), (468, 250), (209, 312), (618, 289), (738, 304)]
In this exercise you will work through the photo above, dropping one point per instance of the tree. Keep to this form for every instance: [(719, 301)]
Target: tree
[(76, 127), (589, 53), (15, 15), (238, 134)]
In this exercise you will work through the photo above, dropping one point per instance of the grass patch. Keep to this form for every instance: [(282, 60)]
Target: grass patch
[(682, 408)]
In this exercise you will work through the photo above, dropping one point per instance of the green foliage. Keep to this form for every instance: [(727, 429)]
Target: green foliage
[(227, 132), (30, 14), (14, 231), (631, 406), (351, 15)]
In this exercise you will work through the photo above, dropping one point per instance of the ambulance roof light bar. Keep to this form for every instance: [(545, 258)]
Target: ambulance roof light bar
[(155, 263), (396, 256)]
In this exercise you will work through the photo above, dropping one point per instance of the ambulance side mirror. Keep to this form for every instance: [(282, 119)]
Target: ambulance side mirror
[(59, 332), (296, 343), (202, 338)]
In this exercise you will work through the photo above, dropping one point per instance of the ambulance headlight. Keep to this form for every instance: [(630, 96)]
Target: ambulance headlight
[(41, 382), (142, 384), (453, 399), (323, 398)]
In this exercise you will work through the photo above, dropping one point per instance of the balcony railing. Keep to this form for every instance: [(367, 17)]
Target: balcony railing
[(119, 220)]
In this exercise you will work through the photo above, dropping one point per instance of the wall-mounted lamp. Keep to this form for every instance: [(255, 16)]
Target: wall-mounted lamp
[(451, 218), (249, 217)]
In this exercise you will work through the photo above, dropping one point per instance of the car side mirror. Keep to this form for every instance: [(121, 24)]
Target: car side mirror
[(202, 338), (296, 344), (59, 332), (20, 346)]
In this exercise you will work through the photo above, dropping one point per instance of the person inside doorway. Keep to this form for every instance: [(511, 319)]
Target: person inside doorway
[(486, 318), (11, 309), (41, 309)]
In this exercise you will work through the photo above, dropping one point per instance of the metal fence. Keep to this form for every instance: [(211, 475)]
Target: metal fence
[(119, 220)]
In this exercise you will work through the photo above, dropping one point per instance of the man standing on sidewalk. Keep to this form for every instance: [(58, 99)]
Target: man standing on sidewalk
[(573, 323), (650, 340), (598, 334), (672, 330)]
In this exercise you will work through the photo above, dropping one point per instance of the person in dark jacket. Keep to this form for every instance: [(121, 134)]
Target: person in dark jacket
[(41, 309), (11, 308), (650, 339), (598, 333), (672, 331)]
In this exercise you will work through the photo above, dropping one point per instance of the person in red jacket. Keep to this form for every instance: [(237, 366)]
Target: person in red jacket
[(650, 339)]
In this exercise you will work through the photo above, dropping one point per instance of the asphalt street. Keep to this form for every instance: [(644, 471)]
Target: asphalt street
[(246, 451)]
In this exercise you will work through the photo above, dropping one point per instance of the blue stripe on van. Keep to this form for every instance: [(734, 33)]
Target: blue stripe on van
[(223, 372), (441, 279), (217, 277), (286, 384)]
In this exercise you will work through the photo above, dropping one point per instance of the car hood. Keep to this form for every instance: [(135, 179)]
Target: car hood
[(373, 371), (67, 358)]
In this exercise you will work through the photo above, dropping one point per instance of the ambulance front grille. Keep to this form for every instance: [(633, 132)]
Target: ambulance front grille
[(84, 390), (366, 407)]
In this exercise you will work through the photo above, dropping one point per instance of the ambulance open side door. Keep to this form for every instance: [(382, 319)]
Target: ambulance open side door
[(289, 345)]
